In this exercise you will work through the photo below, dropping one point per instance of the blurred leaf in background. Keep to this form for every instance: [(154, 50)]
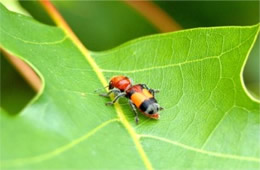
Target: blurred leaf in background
[(192, 14), (14, 5), (100, 25), (252, 70), (15, 92)]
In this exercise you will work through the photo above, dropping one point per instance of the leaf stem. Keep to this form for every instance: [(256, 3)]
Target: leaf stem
[(25, 70), (153, 13)]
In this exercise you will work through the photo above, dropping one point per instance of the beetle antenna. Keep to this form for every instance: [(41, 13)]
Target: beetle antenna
[(100, 88)]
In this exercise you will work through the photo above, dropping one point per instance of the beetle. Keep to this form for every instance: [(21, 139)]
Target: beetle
[(140, 96)]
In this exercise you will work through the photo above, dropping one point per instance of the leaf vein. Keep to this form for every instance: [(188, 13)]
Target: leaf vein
[(64, 26), (33, 42), (57, 151), (178, 64), (201, 151)]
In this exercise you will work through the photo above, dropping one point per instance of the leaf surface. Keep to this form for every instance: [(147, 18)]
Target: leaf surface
[(209, 120)]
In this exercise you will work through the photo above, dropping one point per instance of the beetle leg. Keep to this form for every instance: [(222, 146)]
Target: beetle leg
[(116, 91), (152, 91), (135, 111), (116, 98)]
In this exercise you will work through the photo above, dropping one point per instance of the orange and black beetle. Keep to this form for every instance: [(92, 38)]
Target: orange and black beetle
[(140, 96)]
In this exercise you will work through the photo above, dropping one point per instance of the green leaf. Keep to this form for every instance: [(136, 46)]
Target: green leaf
[(205, 13), (209, 120)]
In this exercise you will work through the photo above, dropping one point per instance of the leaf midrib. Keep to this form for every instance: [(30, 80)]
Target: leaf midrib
[(118, 108), (67, 31)]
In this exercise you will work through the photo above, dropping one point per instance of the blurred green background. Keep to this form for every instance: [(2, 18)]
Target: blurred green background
[(102, 25)]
